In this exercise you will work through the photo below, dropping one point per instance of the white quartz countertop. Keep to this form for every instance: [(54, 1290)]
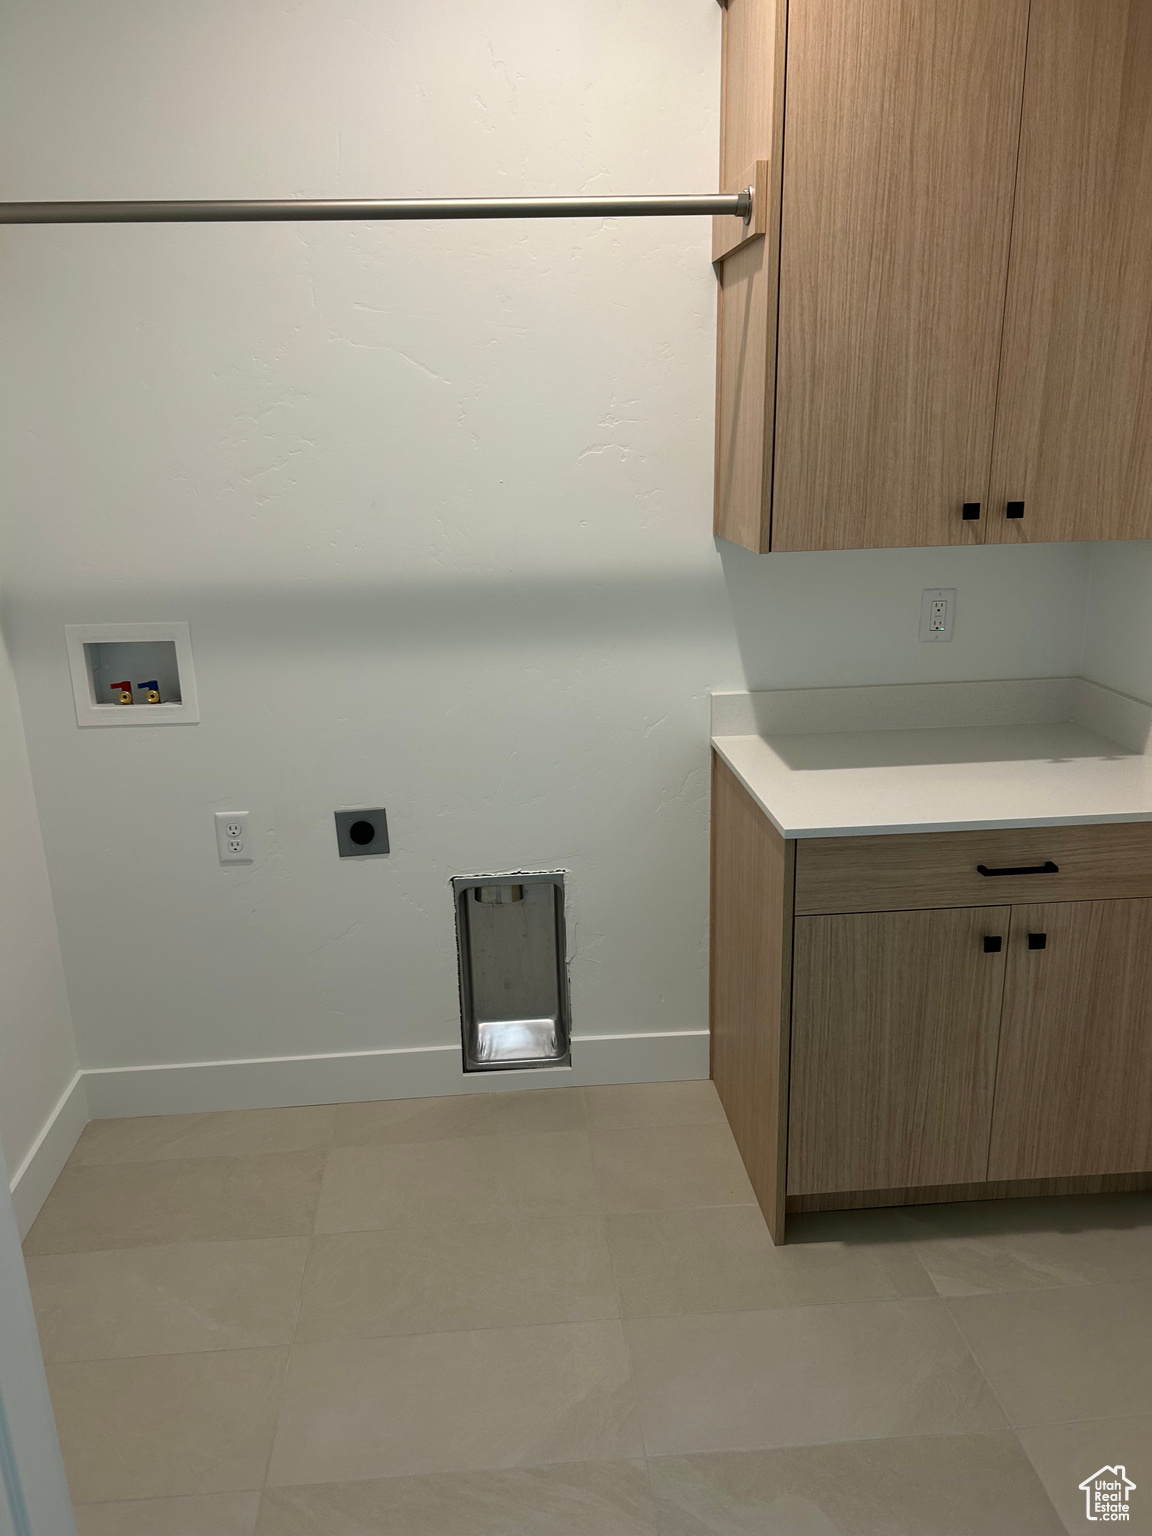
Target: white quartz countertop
[(938, 779)]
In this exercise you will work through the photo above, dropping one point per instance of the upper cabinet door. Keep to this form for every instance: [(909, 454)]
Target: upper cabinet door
[(1074, 418), (901, 131)]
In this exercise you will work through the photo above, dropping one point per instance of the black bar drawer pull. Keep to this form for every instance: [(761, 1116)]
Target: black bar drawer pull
[(1047, 868), (1037, 941), (971, 512), (1014, 509), (993, 943)]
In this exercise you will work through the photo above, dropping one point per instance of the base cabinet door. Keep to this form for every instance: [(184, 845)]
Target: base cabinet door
[(1074, 1079), (895, 1021)]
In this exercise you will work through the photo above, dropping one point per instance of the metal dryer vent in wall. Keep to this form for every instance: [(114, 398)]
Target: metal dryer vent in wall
[(512, 943)]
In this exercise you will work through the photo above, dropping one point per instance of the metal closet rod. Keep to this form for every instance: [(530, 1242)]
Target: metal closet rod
[(735, 204)]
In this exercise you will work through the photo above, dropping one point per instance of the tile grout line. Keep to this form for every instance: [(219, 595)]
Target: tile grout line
[(1012, 1428), (588, 1217), (432, 1333), (631, 1371), (1104, 1418), (292, 1335), (604, 1215)]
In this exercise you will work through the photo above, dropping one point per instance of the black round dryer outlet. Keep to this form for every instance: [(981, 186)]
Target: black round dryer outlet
[(362, 833)]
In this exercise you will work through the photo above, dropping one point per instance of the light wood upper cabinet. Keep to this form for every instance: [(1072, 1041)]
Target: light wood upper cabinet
[(1074, 1079), (895, 1017), (1074, 419), (899, 157), (952, 302)]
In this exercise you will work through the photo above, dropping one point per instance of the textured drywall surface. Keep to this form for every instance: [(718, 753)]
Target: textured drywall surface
[(1118, 621), (434, 498)]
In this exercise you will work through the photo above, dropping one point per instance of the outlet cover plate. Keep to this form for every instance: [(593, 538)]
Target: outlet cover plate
[(352, 828), (233, 837), (937, 613)]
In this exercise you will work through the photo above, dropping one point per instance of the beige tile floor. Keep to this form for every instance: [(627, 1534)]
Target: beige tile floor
[(558, 1313)]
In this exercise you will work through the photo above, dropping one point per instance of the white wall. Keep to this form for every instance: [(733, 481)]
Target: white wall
[(37, 1048), (1118, 629), (435, 500)]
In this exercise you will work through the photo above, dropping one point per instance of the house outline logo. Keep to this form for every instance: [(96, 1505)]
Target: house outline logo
[(1106, 1494)]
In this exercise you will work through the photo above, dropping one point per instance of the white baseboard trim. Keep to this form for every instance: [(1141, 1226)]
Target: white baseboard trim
[(353, 1076), (41, 1167), (102, 1093)]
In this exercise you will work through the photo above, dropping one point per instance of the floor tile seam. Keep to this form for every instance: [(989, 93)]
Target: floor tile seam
[(634, 1389), (179, 1242), (170, 1354), (152, 1498), (801, 1306), (982, 1373), (481, 1218), (1005, 1432), (431, 1141), (657, 1125), (1043, 1285), (195, 1158), (315, 1212), (681, 1210), (287, 1366), (1001, 1434), (1029, 1290), (484, 1214), (485, 1217), (1049, 1290), (390, 1477), (471, 1133), (786, 1306), (1043, 1485), (671, 1210), (590, 1212), (517, 1466), (1008, 1426), (655, 1507), (582, 1100), (307, 1342), (443, 1333), (1095, 1418), (165, 1354)]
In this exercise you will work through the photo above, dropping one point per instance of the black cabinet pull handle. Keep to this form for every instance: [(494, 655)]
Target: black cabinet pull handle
[(1047, 868), (993, 943), (1037, 941), (1014, 509), (971, 511)]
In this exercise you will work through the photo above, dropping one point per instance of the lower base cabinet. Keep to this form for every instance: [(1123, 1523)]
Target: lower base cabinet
[(930, 1051)]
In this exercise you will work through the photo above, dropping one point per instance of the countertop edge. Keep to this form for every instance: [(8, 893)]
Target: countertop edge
[(877, 829)]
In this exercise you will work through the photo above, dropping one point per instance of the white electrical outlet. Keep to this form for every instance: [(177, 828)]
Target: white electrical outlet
[(937, 611), (233, 837)]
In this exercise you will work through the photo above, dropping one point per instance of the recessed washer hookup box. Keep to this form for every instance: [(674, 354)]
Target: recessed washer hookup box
[(512, 943)]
